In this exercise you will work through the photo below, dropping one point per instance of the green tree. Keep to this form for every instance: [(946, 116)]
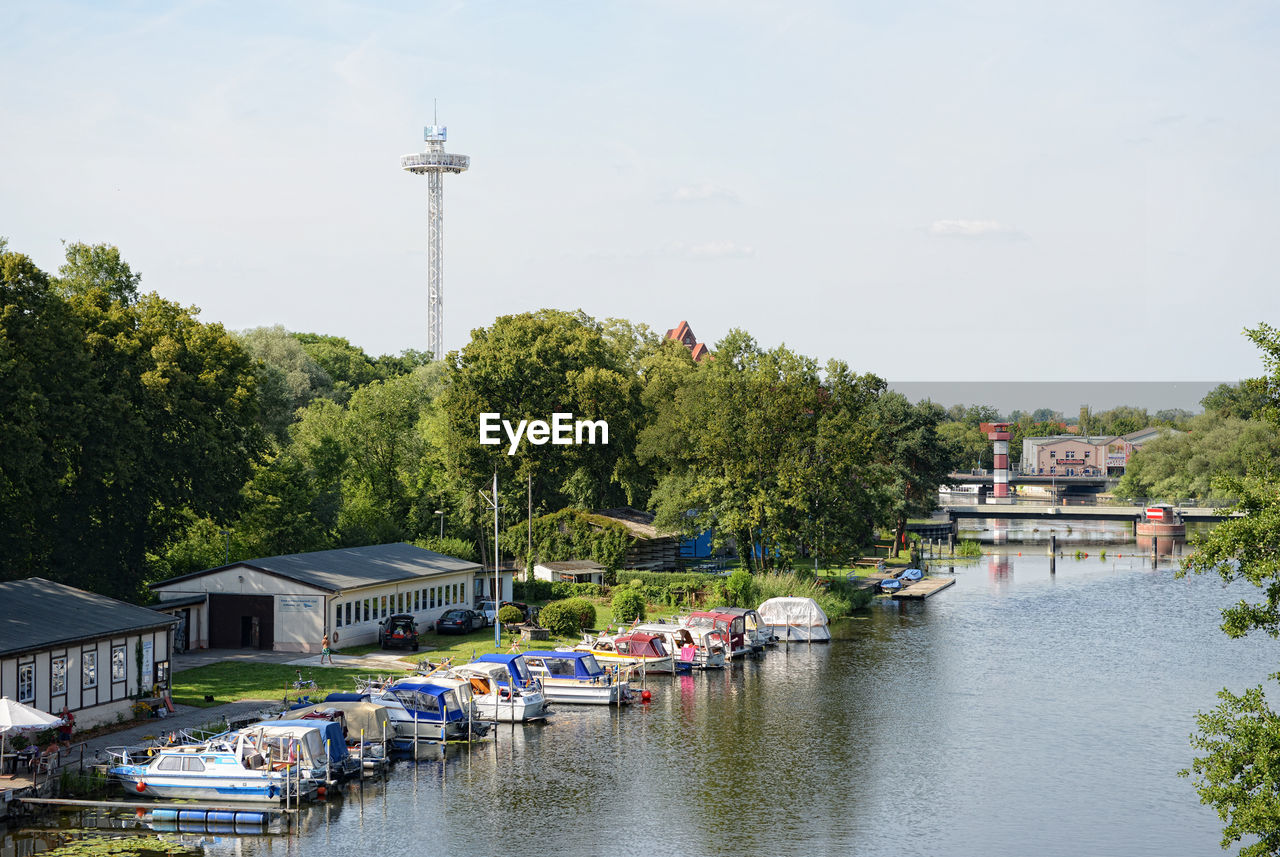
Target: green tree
[(1191, 464), (528, 367), (288, 378), (913, 460), (628, 604), (1239, 773), (143, 417)]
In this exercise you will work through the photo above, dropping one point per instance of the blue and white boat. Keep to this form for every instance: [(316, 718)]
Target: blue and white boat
[(576, 678), (420, 710), (503, 688), (226, 768), (318, 746)]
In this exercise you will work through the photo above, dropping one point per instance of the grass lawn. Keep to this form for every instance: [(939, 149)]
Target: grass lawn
[(230, 681)]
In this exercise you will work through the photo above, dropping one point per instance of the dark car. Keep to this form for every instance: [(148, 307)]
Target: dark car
[(398, 630), (460, 621)]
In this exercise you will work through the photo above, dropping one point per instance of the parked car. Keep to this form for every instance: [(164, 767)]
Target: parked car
[(530, 614), (460, 620), (399, 629)]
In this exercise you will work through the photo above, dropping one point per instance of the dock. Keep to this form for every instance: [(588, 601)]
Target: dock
[(269, 808), (925, 588), (920, 590)]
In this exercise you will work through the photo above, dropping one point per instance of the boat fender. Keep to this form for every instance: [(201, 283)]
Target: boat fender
[(140, 787), (645, 696), (272, 791)]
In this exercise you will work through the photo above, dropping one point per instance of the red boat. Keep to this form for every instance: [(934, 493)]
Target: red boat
[(733, 628)]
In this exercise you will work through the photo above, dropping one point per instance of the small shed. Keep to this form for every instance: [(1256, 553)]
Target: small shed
[(570, 571)]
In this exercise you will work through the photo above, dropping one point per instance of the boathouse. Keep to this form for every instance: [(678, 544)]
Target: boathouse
[(65, 647), (289, 603), (570, 571)]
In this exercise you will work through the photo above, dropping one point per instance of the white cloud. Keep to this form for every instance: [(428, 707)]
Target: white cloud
[(705, 192), (973, 229)]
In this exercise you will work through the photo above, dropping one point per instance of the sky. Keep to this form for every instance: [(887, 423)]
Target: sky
[(931, 191)]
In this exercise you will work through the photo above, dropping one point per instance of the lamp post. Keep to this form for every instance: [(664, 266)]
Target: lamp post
[(497, 581), (227, 532), (440, 512)]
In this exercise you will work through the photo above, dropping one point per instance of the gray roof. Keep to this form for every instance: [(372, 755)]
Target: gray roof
[(348, 568), (39, 614), (573, 565)]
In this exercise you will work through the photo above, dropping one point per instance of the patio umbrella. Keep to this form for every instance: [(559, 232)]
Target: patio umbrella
[(16, 717)]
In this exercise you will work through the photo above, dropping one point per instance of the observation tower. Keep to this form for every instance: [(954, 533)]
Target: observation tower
[(434, 162)]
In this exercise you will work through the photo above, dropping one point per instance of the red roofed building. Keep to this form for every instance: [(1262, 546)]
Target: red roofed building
[(684, 334)]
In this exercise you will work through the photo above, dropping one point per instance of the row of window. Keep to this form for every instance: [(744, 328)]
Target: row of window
[(58, 673), (379, 607)]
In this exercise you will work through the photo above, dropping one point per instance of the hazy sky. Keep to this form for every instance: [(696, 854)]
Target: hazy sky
[(929, 191)]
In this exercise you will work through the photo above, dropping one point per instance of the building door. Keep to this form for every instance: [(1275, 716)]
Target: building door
[(241, 621)]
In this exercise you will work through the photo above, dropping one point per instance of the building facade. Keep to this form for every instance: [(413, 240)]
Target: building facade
[(290, 603), (65, 647)]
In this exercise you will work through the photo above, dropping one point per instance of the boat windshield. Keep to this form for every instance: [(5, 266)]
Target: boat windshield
[(592, 666), (700, 622)]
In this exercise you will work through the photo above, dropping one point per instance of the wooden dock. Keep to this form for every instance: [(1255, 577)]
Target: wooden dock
[(925, 588), (247, 806), (920, 590)]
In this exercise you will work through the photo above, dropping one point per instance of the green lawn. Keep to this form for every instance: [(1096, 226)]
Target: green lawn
[(230, 681)]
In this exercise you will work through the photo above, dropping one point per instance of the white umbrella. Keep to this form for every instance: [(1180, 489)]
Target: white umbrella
[(16, 717)]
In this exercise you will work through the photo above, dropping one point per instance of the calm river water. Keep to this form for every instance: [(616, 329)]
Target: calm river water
[(1015, 713)]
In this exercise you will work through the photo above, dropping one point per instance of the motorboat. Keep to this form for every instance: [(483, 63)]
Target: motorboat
[(689, 651), (890, 584), (731, 627), (757, 634), (911, 575), (504, 688), (794, 620), (577, 678), (230, 767), (366, 725), (318, 746), (419, 709), (634, 648)]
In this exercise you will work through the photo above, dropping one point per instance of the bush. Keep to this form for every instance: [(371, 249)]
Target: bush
[(449, 546), (741, 589), (509, 614), (968, 547), (628, 604), (533, 590), (560, 589), (568, 617)]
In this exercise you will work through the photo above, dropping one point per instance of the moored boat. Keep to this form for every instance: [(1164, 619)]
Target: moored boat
[(504, 689), (690, 651), (795, 620), (230, 767), (731, 628), (635, 648), (576, 678)]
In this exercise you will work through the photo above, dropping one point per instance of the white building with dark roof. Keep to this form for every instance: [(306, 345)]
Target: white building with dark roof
[(570, 571), (289, 603), (65, 647)]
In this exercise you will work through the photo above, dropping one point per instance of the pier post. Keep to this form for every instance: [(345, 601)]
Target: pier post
[(1053, 554), (951, 540)]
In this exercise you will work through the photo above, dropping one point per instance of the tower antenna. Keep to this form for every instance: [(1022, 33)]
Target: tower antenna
[(434, 162)]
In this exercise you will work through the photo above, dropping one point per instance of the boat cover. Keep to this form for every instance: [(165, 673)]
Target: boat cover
[(794, 618)]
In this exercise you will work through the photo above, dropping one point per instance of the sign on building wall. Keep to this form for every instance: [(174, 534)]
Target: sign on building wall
[(297, 603), (148, 664)]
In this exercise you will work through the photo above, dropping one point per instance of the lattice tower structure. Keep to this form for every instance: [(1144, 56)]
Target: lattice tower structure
[(434, 162)]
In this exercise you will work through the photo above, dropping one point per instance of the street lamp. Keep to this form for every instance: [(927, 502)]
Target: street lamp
[(440, 512), (226, 532)]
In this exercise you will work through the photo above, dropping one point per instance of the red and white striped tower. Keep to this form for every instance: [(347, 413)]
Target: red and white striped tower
[(998, 434)]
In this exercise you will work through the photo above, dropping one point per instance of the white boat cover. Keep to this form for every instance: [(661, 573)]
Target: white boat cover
[(794, 619)]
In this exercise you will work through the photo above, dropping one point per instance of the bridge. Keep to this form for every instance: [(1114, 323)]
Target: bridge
[(984, 477), (1047, 512)]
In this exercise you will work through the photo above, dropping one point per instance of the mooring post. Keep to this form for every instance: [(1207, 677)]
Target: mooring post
[(1053, 554)]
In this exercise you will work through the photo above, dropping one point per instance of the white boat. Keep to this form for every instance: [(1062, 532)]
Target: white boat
[(794, 620), (230, 767), (419, 709), (701, 651), (632, 649), (576, 678), (504, 689)]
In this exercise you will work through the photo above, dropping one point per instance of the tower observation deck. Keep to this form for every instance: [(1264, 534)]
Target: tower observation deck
[(434, 162)]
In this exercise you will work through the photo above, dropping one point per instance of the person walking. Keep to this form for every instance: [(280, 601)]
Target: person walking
[(325, 651)]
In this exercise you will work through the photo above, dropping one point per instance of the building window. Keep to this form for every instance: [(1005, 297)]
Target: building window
[(26, 682), (399, 602), (433, 598), (162, 674), (348, 612), (117, 663), (337, 616), (366, 609), (58, 679), (89, 670), (384, 607), (417, 601)]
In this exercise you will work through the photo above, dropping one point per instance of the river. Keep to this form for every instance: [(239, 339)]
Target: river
[(1017, 712)]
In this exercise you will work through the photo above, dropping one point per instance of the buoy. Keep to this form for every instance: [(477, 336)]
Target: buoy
[(645, 696), (140, 787), (321, 791), (139, 812)]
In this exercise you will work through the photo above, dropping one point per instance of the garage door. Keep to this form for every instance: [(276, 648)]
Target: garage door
[(241, 621)]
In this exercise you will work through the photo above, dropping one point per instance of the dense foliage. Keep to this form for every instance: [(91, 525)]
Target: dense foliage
[(568, 617), (1239, 773), (628, 604)]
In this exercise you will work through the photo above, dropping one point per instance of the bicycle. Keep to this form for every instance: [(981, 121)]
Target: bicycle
[(305, 684)]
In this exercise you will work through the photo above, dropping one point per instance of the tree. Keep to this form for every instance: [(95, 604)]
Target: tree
[(1192, 464), (133, 416), (288, 378), (1239, 773), (529, 367), (913, 460)]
